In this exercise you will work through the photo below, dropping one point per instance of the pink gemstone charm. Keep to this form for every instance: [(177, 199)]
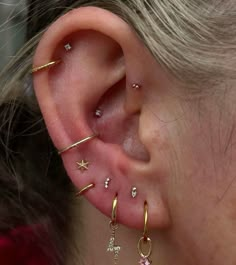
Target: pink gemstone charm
[(145, 261)]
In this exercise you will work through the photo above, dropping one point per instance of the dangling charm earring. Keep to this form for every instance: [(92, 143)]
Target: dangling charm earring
[(145, 240), (112, 247)]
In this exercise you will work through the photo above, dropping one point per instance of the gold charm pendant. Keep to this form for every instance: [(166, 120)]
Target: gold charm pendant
[(112, 247)]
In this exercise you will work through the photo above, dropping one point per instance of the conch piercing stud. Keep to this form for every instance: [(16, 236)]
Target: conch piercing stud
[(112, 247), (68, 47), (45, 66), (98, 113), (83, 165), (134, 192), (107, 182), (145, 240), (86, 188), (77, 144), (136, 86)]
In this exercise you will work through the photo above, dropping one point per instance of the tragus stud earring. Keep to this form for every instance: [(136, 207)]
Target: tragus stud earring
[(68, 47), (145, 240), (136, 86), (134, 192), (107, 182), (83, 165), (112, 247)]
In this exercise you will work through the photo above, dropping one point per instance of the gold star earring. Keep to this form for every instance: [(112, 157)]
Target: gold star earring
[(83, 165)]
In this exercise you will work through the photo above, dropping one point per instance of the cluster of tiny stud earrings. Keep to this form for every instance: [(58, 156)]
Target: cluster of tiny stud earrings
[(107, 182)]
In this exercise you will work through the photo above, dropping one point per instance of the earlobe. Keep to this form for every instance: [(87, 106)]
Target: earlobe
[(91, 103)]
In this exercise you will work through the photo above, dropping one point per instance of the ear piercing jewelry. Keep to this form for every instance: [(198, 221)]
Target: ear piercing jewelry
[(134, 192), (112, 247), (145, 240), (68, 47), (98, 113), (77, 144), (107, 182), (45, 66), (83, 165), (86, 188), (136, 86)]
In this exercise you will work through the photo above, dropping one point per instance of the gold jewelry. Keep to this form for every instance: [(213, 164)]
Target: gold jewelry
[(145, 240), (86, 188), (45, 66), (83, 165), (112, 247), (77, 144)]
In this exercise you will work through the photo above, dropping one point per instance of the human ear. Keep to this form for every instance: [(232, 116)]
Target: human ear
[(106, 60)]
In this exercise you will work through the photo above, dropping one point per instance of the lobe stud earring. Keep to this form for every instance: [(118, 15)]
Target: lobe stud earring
[(68, 47), (134, 192), (107, 182), (112, 247), (145, 240), (83, 165)]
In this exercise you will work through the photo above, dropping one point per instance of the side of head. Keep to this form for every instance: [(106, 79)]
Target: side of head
[(172, 138)]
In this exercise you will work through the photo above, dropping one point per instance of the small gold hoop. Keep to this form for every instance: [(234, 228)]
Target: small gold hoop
[(141, 243), (45, 66), (86, 188), (77, 143), (145, 230), (114, 210)]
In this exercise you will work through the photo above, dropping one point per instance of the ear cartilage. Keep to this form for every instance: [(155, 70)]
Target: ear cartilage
[(98, 113), (68, 47), (134, 192), (136, 86), (82, 165), (107, 183)]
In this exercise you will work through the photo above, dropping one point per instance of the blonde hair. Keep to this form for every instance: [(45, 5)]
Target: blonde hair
[(194, 40)]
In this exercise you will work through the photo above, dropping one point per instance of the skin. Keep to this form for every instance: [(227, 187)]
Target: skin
[(175, 146)]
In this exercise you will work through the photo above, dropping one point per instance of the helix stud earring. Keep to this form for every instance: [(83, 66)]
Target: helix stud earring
[(68, 47), (112, 247), (145, 240)]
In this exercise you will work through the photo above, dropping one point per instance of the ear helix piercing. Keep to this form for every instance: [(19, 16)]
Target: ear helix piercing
[(83, 165), (68, 47), (134, 192), (77, 144), (112, 247), (107, 182), (86, 188), (136, 86), (98, 113), (145, 240), (45, 66)]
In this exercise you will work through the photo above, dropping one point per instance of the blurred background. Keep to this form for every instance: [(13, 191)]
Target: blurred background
[(13, 16)]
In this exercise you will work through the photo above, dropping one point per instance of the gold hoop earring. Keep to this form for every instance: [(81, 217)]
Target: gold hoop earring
[(77, 144), (44, 67), (144, 240), (112, 247), (83, 190)]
